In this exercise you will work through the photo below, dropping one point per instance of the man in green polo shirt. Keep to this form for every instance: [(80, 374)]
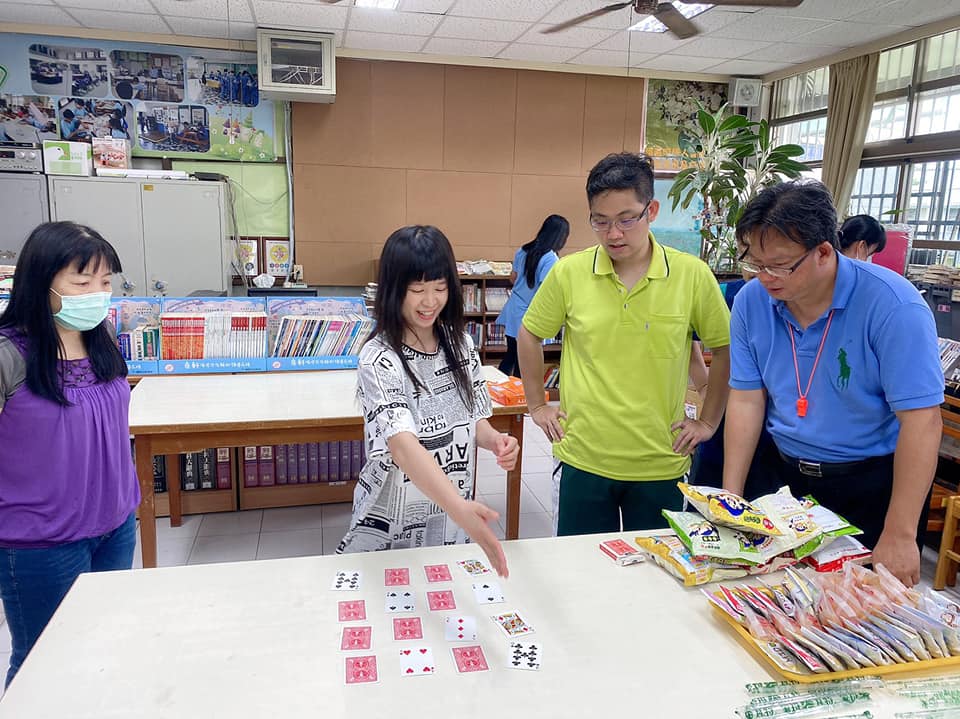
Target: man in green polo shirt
[(629, 306)]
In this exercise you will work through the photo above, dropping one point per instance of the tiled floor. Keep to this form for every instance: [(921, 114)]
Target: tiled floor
[(303, 531)]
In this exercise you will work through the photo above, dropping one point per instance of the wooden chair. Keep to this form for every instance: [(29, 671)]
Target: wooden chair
[(948, 560)]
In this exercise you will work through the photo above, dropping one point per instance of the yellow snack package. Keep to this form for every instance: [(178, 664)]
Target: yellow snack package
[(729, 510), (669, 552)]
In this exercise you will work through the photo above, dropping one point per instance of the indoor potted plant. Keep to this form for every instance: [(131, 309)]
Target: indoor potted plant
[(730, 160)]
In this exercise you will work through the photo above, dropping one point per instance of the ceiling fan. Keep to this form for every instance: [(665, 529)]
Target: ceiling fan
[(667, 13)]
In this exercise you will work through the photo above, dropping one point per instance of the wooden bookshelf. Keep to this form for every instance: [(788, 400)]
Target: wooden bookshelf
[(295, 495), (201, 501)]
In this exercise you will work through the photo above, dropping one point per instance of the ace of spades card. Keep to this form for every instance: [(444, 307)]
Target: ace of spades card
[(416, 662), (487, 592), (524, 655), (399, 601)]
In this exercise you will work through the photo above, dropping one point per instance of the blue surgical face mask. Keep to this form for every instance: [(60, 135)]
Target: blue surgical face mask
[(82, 312)]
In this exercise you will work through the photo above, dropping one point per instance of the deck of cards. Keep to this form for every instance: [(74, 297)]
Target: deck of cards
[(621, 552)]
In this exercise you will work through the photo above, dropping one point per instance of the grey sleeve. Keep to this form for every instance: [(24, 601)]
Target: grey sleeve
[(13, 370)]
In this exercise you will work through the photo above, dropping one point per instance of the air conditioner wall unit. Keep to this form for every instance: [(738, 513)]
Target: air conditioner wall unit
[(297, 66)]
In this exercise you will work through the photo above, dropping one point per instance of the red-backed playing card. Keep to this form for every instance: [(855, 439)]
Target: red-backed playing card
[(407, 628), (396, 577), (355, 638), (361, 670), (470, 659), (437, 573), (351, 611), (441, 601)]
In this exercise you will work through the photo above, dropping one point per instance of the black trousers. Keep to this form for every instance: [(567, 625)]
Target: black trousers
[(860, 496), (510, 365)]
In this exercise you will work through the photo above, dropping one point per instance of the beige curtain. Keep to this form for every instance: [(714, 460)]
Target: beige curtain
[(853, 84)]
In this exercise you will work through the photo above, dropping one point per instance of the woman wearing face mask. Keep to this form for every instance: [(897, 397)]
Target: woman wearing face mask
[(68, 488), (861, 237)]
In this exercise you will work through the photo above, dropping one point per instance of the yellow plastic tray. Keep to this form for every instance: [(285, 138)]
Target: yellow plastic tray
[(926, 665)]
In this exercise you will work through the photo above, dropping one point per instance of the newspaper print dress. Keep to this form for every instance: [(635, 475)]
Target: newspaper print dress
[(389, 512)]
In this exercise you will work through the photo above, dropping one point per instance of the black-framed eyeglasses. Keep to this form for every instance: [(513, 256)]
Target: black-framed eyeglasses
[(755, 269), (627, 223)]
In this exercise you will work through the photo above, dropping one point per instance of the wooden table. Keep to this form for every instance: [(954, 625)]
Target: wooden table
[(187, 413)]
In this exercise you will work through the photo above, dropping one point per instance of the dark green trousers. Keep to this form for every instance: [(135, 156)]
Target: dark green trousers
[(590, 504)]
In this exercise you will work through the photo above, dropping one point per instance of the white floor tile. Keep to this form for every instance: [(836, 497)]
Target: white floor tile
[(225, 523), (292, 519), (331, 538), (542, 489), (304, 543), (534, 449), (171, 552), (498, 530), (224, 548), (491, 481), (537, 524), (187, 530), (537, 465), (498, 501), (336, 516)]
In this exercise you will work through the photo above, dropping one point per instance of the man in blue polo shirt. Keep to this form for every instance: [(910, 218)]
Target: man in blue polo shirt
[(842, 357)]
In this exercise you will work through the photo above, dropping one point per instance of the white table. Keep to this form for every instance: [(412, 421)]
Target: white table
[(188, 413)]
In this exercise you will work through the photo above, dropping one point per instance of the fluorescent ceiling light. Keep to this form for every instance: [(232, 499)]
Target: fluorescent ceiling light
[(382, 4), (651, 24)]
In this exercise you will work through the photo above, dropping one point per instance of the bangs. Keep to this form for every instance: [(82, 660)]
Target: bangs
[(92, 252), (428, 260)]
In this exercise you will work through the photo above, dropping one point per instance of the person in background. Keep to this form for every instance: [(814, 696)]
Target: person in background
[(861, 237), (70, 126), (425, 408), (627, 306), (840, 359), (531, 264), (68, 488)]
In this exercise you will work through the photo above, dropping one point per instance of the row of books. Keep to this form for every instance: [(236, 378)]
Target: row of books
[(207, 469), (309, 336), (472, 298), (496, 297), (219, 335), (140, 343), (496, 334), (303, 463)]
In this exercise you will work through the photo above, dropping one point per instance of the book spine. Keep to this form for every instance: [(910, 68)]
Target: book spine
[(188, 471), (324, 463), (207, 462), (266, 472), (346, 460), (313, 462), (280, 459), (293, 473), (356, 459), (303, 464), (159, 474), (223, 468), (250, 468)]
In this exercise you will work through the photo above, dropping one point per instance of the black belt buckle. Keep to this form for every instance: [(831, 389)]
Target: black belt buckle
[(811, 469)]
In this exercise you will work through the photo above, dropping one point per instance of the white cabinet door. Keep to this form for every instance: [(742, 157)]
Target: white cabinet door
[(112, 208), (183, 236), (23, 206)]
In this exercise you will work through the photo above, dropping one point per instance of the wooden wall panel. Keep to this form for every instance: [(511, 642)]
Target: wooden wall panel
[(484, 153), (535, 197), (549, 123), (407, 115), (479, 116), (470, 208), (604, 118), (339, 133)]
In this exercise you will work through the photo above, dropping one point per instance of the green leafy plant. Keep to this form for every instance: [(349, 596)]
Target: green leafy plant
[(730, 160)]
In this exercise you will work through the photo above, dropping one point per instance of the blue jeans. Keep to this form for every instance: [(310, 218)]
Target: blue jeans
[(33, 582)]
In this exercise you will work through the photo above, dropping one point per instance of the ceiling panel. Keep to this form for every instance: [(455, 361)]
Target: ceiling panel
[(42, 14), (142, 6), (573, 37), (528, 10), (398, 23), (539, 53), (275, 13), (130, 22), (481, 29), (720, 47), (383, 41), (238, 10), (469, 48)]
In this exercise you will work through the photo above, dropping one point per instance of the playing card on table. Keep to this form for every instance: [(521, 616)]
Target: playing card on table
[(441, 601), (396, 577), (354, 638), (352, 610), (437, 573), (473, 567), (361, 670), (524, 655), (470, 659), (399, 601), (346, 580), (512, 624), (487, 592), (460, 629), (407, 628), (416, 662)]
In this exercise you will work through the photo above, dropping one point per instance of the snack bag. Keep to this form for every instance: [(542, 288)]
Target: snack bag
[(668, 551), (729, 510)]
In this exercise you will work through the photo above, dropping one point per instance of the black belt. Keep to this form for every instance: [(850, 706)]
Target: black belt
[(833, 469)]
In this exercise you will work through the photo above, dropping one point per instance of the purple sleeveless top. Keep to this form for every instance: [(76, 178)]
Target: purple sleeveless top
[(66, 473)]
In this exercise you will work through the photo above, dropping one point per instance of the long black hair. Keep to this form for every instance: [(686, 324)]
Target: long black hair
[(50, 248), (551, 238), (422, 253), (862, 227)]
